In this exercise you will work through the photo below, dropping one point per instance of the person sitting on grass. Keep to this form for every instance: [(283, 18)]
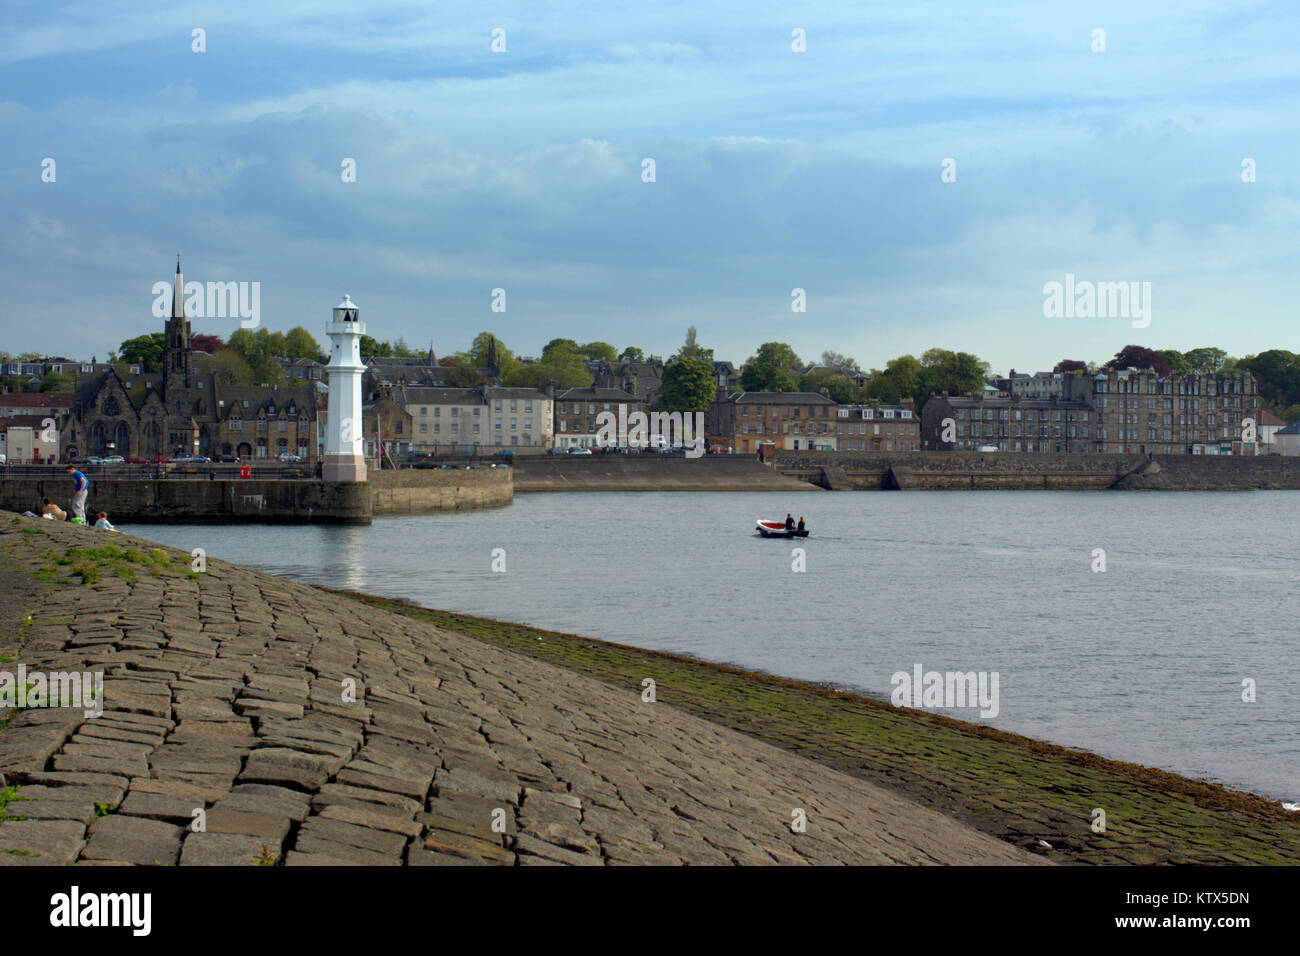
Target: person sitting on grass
[(51, 510), (103, 523)]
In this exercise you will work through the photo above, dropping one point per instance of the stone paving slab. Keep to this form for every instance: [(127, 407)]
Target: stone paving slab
[(314, 730)]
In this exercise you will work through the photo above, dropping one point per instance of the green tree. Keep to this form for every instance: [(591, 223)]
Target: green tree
[(692, 349), (402, 350), (563, 367), (300, 344), (145, 349), (839, 387), (58, 382), (268, 372), (687, 386), (598, 351), (631, 354), (773, 367), (229, 368), (957, 373), (1277, 372), (371, 347), (1206, 359), (563, 345), (1178, 362)]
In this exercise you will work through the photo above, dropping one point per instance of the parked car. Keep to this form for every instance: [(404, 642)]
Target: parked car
[(201, 460), (579, 451), (504, 453), (136, 460), (228, 459), (3, 460), (114, 460), (986, 448), (289, 457)]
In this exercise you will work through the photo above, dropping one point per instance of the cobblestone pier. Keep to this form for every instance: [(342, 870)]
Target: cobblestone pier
[(309, 728)]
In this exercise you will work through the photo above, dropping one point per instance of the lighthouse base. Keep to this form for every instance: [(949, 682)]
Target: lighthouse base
[(343, 468)]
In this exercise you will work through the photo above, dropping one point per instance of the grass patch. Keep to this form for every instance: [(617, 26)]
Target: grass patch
[(20, 852), (103, 809), (9, 795)]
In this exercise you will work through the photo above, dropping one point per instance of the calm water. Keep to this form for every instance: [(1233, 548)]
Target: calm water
[(1144, 662)]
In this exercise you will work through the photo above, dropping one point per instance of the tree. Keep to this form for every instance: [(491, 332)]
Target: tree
[(1178, 363), (145, 349), (692, 349), (839, 362), (374, 348), (402, 350), (599, 351), (562, 367), (839, 387), (1277, 373), (203, 342), (566, 345), (1137, 356), (229, 368), (1206, 359), (1070, 366), (300, 344), (772, 368), (687, 386), (58, 382), (268, 372), (631, 354), (957, 373)]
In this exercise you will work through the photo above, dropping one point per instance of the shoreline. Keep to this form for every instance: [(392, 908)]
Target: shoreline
[(1010, 786)]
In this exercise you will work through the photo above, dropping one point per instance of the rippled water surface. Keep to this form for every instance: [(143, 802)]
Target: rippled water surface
[(1144, 662)]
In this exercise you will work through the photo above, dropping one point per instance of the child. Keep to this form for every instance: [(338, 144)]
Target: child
[(51, 510), (103, 523)]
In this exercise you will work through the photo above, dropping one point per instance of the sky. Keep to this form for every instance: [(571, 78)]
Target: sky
[(774, 170)]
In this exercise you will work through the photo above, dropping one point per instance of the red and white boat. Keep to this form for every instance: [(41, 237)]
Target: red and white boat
[(777, 529)]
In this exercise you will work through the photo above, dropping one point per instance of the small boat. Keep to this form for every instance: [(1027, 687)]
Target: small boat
[(777, 529)]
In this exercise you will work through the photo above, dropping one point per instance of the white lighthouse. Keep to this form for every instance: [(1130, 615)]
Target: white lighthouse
[(344, 456)]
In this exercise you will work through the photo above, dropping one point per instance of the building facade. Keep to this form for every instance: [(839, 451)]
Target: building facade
[(476, 420), (877, 427), (1116, 411), (740, 422), (577, 412)]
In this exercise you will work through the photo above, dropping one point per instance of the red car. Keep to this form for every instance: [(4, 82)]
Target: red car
[(132, 460)]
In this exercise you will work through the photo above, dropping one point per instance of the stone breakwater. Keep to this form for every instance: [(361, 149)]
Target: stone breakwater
[(248, 719)]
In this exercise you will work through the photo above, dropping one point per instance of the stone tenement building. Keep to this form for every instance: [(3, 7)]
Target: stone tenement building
[(474, 420), (790, 420), (1118, 411), (877, 427), (185, 411), (577, 413)]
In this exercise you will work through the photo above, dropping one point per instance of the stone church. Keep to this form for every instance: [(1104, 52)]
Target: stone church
[(186, 411)]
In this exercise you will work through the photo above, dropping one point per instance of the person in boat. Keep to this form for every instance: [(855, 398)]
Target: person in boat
[(801, 528), (789, 522)]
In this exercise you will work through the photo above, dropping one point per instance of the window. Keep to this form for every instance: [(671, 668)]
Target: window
[(424, 428), (437, 413), (424, 410)]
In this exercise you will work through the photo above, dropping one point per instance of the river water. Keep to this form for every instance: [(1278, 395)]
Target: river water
[(1144, 661)]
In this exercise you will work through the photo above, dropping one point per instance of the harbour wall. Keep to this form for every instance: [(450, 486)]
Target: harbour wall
[(198, 499), (651, 473), (427, 491), (944, 470)]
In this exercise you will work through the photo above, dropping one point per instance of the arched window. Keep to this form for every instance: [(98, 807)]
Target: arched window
[(111, 407)]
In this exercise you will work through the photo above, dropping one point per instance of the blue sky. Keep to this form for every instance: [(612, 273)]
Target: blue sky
[(774, 170)]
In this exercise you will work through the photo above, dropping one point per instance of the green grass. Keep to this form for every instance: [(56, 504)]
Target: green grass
[(9, 795), (1007, 785), (21, 852), (104, 808)]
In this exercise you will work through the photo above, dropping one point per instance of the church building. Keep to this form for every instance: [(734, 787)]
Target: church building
[(184, 410)]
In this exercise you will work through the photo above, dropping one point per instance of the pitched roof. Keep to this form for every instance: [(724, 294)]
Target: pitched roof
[(781, 398), (36, 400), (1267, 419), (593, 394)]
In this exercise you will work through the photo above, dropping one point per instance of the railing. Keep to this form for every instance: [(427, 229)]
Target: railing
[(262, 470)]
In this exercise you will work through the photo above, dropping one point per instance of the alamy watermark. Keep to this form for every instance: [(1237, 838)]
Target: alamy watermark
[(950, 690), (213, 300), (657, 430), (1098, 300), (38, 689)]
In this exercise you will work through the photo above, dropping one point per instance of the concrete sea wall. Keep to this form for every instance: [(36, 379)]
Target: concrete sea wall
[(426, 491), (938, 470), (198, 499), (651, 473)]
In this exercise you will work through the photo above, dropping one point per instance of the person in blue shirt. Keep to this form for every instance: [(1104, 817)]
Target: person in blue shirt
[(80, 488)]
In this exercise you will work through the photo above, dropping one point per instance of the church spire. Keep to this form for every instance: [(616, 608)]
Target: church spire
[(178, 295)]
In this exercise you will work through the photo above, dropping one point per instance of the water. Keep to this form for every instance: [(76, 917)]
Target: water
[(1143, 662)]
